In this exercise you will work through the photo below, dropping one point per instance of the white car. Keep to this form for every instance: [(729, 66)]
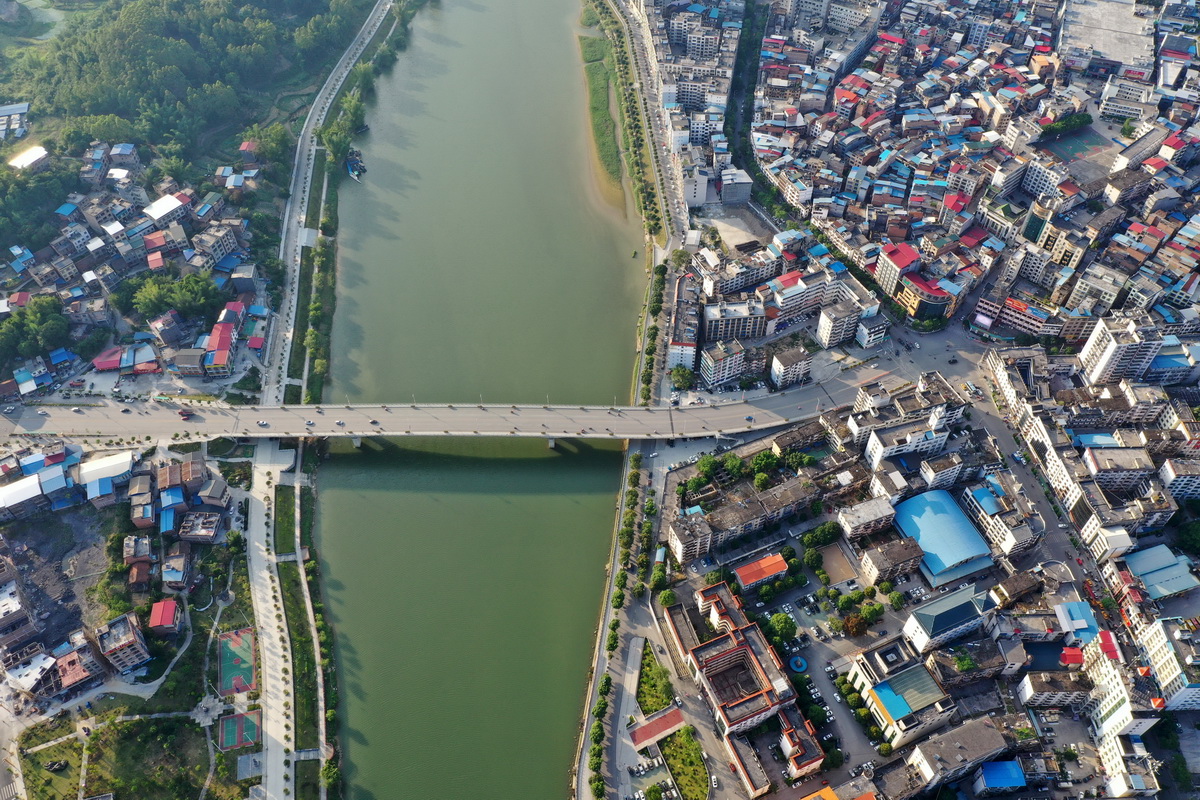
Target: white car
[(1062, 524), (262, 423)]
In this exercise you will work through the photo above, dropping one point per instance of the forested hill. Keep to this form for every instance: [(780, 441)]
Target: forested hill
[(172, 68)]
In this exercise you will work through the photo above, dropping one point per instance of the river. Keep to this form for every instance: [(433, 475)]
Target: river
[(478, 258)]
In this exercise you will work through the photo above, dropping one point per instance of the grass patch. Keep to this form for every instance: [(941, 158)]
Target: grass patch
[(219, 448), (304, 659), (47, 731), (308, 507), (236, 473), (312, 215), (186, 447), (654, 683), (158, 759), (285, 519), (594, 48), (604, 127), (41, 783), (589, 18), (685, 759), (308, 780), (292, 395), (303, 295)]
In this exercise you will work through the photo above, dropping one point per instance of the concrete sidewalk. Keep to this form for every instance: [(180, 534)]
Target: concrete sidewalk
[(275, 683)]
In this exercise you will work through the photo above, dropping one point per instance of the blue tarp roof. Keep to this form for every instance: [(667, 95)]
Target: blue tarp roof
[(1002, 775), (1095, 440), (66, 209), (1082, 620), (936, 522), (99, 488), (166, 522), (171, 497)]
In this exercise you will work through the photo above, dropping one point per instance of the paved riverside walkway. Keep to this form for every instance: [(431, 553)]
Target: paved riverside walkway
[(275, 682)]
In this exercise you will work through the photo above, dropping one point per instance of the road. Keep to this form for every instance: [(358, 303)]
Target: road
[(137, 420), (279, 346)]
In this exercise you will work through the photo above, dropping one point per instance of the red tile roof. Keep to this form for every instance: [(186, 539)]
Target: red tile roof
[(760, 570), (162, 613), (655, 727)]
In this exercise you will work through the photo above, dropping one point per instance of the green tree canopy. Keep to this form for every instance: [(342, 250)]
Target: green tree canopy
[(195, 297), (816, 715), (668, 598), (897, 600), (761, 481), (787, 552), (813, 559), (682, 377), (734, 465), (783, 626), (765, 461)]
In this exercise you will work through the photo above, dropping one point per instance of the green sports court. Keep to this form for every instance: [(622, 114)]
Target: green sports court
[(239, 730), (1082, 143), (235, 662)]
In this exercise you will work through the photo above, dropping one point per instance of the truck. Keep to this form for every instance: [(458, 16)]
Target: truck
[(185, 413)]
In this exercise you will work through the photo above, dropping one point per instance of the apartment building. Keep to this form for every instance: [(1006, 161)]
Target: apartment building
[(838, 323), (999, 508), (891, 560), (895, 260), (898, 689), (1118, 469), (1181, 477), (1119, 347), (948, 756), (746, 319), (1060, 688), (903, 438), (1172, 647), (121, 642), (869, 516), (722, 362), (947, 617), (790, 366)]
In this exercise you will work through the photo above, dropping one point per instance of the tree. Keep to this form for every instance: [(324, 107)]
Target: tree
[(855, 625), (885, 749), (872, 613), (833, 760), (680, 258), (874, 733), (816, 715), (707, 466), (713, 578), (658, 578), (682, 378), (766, 593), (863, 715), (794, 566), (857, 595), (761, 481), (836, 625), (823, 577), (1067, 124), (869, 592), (655, 792), (813, 559), (897, 601), (885, 587), (787, 553), (734, 465), (855, 700), (845, 604), (1187, 538), (765, 461), (782, 626), (668, 598)]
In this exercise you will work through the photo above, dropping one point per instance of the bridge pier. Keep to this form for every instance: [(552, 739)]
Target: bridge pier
[(356, 441), (550, 443)]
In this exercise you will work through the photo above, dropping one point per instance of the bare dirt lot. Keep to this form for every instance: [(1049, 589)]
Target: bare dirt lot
[(60, 556)]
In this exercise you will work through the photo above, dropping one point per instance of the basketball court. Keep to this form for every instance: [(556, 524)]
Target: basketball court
[(1083, 143), (235, 662), (239, 730)]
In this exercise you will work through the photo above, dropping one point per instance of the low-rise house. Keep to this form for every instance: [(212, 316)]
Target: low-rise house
[(869, 516), (1054, 689), (165, 616), (214, 492), (135, 549), (201, 527), (946, 618), (176, 567)]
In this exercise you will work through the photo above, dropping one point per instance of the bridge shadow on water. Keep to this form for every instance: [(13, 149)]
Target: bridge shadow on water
[(479, 465)]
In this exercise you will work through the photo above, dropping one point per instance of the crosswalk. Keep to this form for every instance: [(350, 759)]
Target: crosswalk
[(8, 792)]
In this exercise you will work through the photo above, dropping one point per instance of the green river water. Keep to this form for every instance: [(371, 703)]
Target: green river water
[(478, 257)]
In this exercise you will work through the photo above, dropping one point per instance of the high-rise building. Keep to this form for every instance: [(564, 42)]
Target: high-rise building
[(1119, 347)]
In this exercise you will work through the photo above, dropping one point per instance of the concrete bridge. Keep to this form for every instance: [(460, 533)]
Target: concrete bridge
[(137, 420)]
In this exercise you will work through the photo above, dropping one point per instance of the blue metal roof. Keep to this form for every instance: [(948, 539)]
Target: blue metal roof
[(942, 530), (1002, 775)]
